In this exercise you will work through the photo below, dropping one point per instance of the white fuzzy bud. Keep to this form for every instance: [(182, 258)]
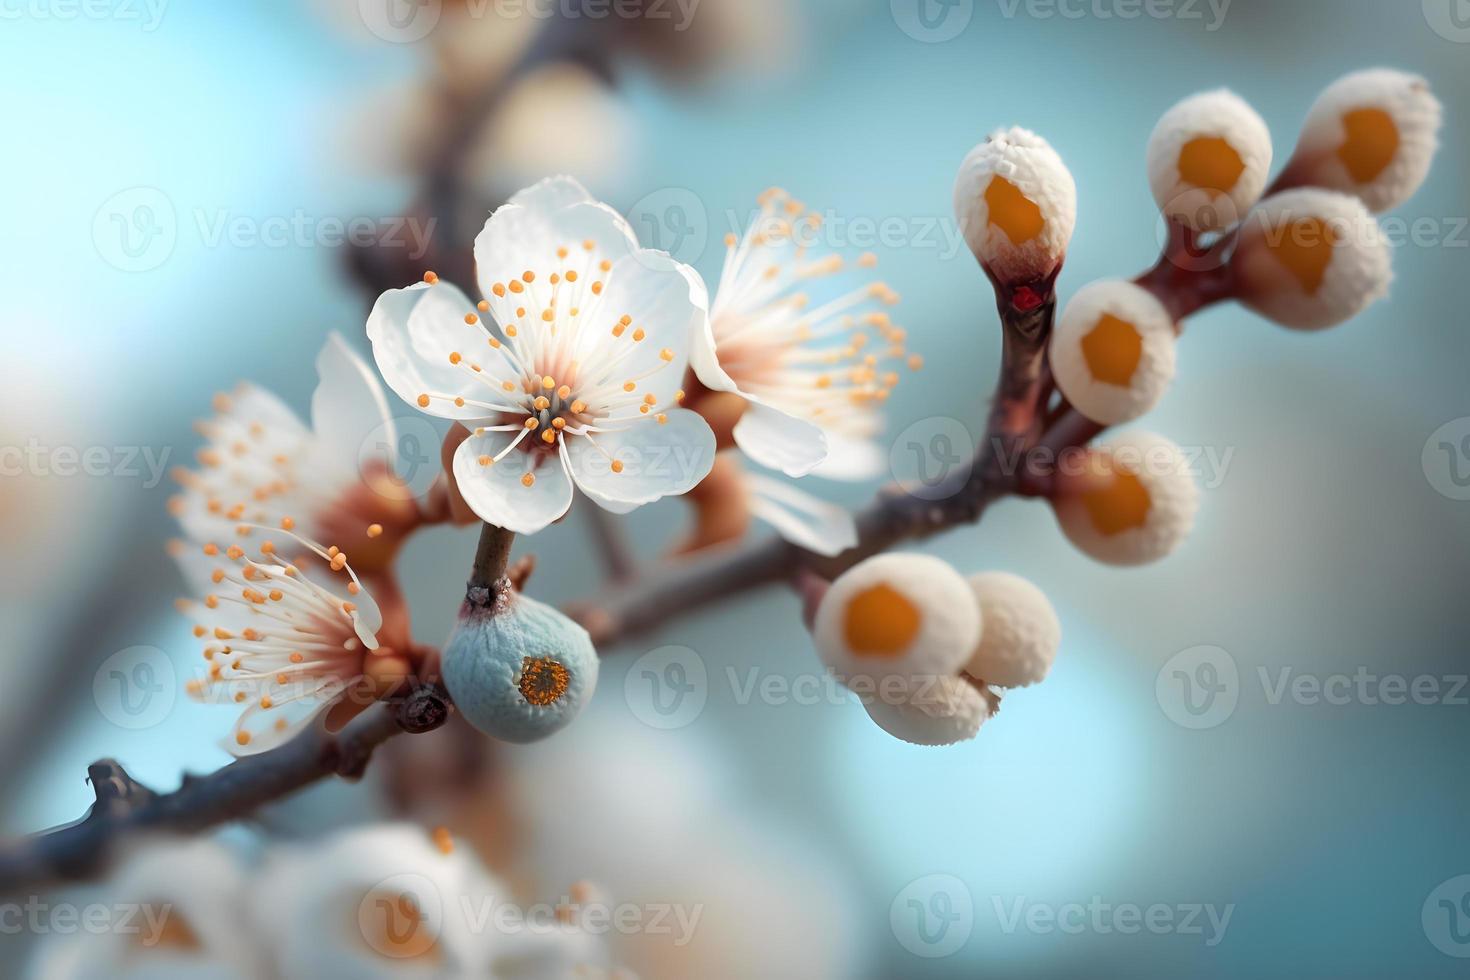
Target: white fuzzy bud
[(1208, 160), (1016, 204), (1311, 258), (897, 615), (1113, 351), (946, 712), (1135, 503), (1022, 632), (1372, 133)]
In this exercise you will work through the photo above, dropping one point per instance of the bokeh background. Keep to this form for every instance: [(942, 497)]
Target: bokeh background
[(1332, 539)]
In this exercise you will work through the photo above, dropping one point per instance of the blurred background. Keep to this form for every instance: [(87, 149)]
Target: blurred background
[(181, 178)]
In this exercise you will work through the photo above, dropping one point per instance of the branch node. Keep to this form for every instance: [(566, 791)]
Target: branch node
[(117, 792), (424, 709)]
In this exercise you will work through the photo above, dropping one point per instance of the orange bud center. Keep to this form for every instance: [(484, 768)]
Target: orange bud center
[(543, 681), (1210, 163), (1305, 247), (1113, 349), (395, 927), (1120, 506), (1013, 212), (1371, 143), (166, 928), (881, 622)]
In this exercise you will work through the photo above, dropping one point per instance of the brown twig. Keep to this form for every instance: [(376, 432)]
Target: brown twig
[(999, 467), (125, 809)]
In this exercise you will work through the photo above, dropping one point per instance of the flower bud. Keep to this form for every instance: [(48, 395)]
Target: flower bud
[(1208, 160), (1311, 258), (945, 712), (1016, 204), (1022, 632), (520, 670), (1134, 503), (1372, 133), (897, 615), (1113, 351)]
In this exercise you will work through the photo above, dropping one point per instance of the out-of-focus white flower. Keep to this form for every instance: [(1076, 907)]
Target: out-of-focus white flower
[(472, 42), (899, 615), (476, 43), (1022, 632), (574, 378), (1134, 504), (1372, 133), (262, 463), (1311, 258), (750, 39), (812, 379), (387, 901), (178, 909), (806, 521), (943, 711), (557, 119), (1208, 160), (1113, 351), (284, 639), (720, 866), (1016, 204)]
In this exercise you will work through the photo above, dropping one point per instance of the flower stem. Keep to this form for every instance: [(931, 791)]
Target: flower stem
[(488, 577)]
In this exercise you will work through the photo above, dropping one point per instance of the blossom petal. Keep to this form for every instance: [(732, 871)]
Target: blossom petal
[(347, 407), (496, 492), (704, 358), (414, 331), (657, 460), (250, 404), (526, 233), (295, 706), (779, 441), (809, 522), (553, 193), (663, 298)]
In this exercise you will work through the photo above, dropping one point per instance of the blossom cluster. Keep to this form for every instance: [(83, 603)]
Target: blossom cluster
[(590, 364), (379, 901)]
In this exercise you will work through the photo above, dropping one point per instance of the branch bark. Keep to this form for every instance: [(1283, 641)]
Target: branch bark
[(125, 809), (998, 468)]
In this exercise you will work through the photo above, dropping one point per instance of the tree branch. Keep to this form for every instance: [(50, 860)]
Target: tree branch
[(126, 809), (1000, 467)]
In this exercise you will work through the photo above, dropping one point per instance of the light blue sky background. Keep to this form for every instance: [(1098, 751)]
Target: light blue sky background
[(1324, 547)]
